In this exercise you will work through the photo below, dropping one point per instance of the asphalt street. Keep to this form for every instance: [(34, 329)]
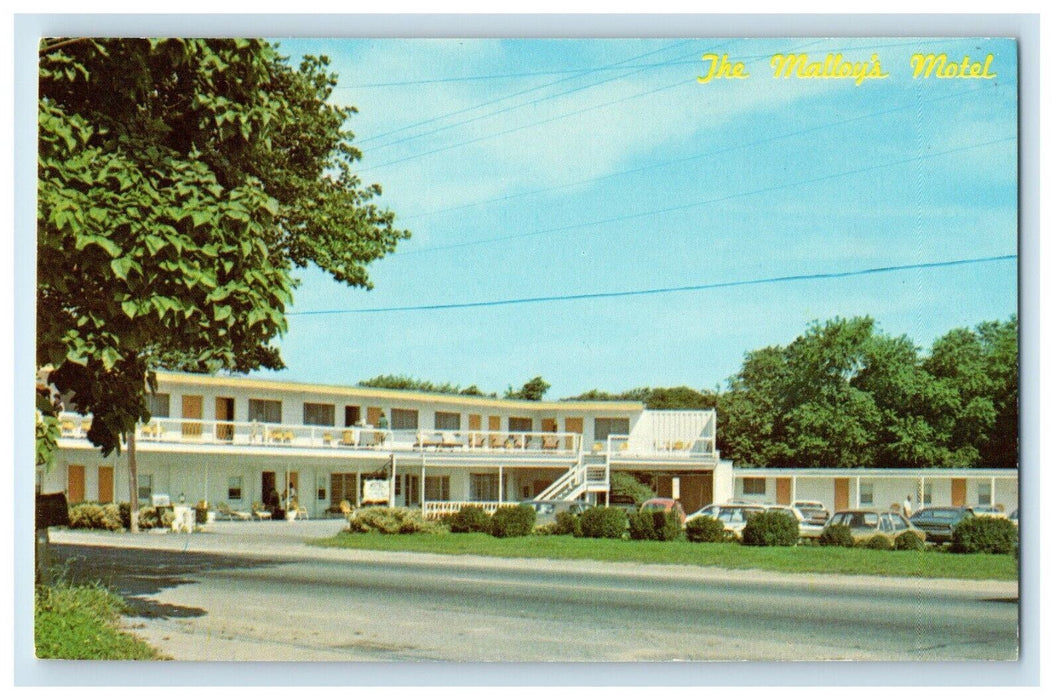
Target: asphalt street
[(236, 596)]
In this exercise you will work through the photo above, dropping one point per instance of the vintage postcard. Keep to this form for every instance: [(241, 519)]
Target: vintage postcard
[(527, 350)]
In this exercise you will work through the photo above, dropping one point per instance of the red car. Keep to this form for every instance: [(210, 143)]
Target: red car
[(664, 504)]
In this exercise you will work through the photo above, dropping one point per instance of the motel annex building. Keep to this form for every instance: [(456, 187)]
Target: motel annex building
[(236, 440)]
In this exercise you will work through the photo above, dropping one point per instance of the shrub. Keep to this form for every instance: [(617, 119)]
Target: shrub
[(984, 535), (626, 488), (470, 519), (125, 514), (151, 517), (878, 542), (909, 541), (772, 528), (655, 525), (545, 530), (567, 524), (95, 516), (392, 521), (601, 522), (705, 529), (512, 521), (836, 535)]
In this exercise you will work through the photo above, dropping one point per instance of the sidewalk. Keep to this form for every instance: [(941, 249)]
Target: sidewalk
[(282, 540)]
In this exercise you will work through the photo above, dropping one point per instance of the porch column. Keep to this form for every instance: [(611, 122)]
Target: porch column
[(992, 492), (792, 490), (500, 484), (858, 492), (394, 477), (423, 478)]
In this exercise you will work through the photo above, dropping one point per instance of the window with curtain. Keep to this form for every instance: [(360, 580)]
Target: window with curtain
[(318, 414), (754, 486), (235, 488), (158, 405), (517, 424), (436, 488), (404, 419), (263, 410), (484, 487), (445, 420), (603, 427)]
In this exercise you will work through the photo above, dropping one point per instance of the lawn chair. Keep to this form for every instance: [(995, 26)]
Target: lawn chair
[(224, 510)]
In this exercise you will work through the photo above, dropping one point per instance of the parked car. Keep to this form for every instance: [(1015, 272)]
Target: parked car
[(708, 511), (806, 527), (939, 522), (664, 504), (546, 511), (814, 512), (735, 516), (989, 511), (865, 524)]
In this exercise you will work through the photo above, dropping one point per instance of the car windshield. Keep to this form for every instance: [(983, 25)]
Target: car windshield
[(854, 520), (940, 513)]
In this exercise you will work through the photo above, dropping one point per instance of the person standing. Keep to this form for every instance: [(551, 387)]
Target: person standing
[(908, 507)]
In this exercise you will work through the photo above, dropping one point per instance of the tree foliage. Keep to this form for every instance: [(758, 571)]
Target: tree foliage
[(405, 383), (845, 395), (533, 390), (180, 183)]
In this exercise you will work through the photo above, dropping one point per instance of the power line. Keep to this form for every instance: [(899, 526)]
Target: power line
[(691, 205), (485, 137), (665, 290), (697, 156), (579, 74)]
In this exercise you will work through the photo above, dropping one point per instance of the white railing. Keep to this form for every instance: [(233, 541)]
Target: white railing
[(620, 446), (185, 430), (437, 509)]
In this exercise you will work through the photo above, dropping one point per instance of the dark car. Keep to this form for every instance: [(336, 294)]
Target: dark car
[(939, 522)]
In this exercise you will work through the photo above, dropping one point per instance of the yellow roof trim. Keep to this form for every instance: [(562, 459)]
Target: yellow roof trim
[(397, 395)]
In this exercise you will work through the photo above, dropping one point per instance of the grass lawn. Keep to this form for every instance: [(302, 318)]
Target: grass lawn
[(811, 559), (81, 622)]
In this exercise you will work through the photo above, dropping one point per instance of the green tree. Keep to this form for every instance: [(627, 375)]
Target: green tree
[(533, 390), (180, 184)]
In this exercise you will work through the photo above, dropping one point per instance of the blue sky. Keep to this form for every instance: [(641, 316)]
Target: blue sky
[(529, 168)]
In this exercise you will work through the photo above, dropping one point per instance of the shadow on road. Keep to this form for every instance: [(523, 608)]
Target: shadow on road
[(139, 574)]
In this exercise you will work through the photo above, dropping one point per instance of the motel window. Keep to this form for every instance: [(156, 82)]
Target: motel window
[(263, 410), (926, 495), (318, 414), (520, 425), (445, 420), (754, 486), (436, 488), (983, 494), (484, 487), (353, 415), (322, 487), (404, 419), (865, 493), (158, 405), (144, 487), (235, 488), (603, 427)]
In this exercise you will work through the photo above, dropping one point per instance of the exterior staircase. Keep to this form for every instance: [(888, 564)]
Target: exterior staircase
[(590, 474)]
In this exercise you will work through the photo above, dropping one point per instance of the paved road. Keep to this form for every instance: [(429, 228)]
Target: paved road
[(262, 595)]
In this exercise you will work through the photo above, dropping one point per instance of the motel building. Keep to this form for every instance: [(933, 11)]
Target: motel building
[(237, 440), (238, 443)]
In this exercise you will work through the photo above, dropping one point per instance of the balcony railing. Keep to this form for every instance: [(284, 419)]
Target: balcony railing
[(620, 446), (193, 431), (436, 509)]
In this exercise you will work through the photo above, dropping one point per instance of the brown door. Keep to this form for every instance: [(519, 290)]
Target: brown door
[(106, 484), (957, 492), (697, 490), (548, 425), (374, 414), (841, 488), (192, 409), (572, 425), (224, 410), (75, 483), (784, 490)]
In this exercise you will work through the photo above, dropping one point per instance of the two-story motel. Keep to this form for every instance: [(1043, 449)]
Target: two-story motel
[(237, 440)]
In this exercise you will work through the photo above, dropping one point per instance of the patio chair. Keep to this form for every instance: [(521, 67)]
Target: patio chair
[(224, 510), (348, 438), (449, 441), (476, 440), (550, 442)]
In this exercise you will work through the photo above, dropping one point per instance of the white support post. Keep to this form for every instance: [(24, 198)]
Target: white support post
[(792, 491), (858, 492), (992, 492), (423, 489), (500, 484), (394, 480)]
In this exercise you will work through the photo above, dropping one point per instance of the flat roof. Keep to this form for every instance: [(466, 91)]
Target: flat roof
[(395, 394), (1010, 472)]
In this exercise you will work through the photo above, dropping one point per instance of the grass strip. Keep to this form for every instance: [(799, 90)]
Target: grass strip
[(931, 563), (81, 622)]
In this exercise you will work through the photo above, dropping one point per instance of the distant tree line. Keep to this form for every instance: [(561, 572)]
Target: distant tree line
[(844, 394)]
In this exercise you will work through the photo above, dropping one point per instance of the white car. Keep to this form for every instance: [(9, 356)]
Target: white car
[(806, 527)]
